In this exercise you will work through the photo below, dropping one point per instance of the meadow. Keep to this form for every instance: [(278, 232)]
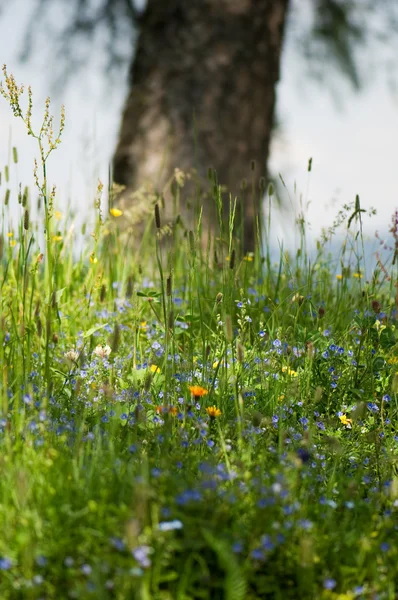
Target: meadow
[(181, 422)]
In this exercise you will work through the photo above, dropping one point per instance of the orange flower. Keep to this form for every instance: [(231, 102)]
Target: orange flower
[(197, 391), (213, 412), (161, 410)]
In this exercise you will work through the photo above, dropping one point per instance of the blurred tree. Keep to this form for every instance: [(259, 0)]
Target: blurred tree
[(203, 78)]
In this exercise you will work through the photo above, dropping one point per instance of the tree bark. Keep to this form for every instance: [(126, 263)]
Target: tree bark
[(203, 84)]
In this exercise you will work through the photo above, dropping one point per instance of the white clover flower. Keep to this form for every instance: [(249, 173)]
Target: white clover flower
[(102, 351), (71, 355)]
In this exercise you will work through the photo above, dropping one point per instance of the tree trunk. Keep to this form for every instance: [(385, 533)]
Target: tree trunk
[(203, 95)]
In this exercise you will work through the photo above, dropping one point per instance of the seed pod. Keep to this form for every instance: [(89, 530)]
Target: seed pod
[(171, 319), (169, 285), (102, 293), (240, 353), (147, 385), (228, 328), (39, 326), (219, 298), (129, 287), (115, 338), (157, 216), (232, 260), (26, 220), (55, 338), (25, 196)]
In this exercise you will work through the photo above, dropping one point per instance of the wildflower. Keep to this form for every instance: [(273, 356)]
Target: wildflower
[(141, 555), (93, 258), (197, 391), (329, 584), (345, 421), (155, 369), (57, 238), (115, 212), (71, 355), (339, 277), (102, 351), (5, 564), (357, 275), (289, 371), (170, 525), (213, 412), (86, 569), (58, 215)]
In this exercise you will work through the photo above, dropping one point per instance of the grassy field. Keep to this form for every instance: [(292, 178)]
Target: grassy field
[(180, 424)]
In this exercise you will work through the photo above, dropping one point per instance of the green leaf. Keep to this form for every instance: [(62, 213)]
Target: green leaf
[(92, 330), (235, 586), (387, 338)]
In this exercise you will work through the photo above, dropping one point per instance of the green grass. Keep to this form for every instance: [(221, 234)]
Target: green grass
[(117, 482)]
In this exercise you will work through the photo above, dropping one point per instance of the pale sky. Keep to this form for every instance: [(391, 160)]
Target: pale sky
[(354, 148)]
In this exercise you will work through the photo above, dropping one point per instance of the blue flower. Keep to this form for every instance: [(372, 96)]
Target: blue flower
[(5, 564), (329, 584), (170, 525)]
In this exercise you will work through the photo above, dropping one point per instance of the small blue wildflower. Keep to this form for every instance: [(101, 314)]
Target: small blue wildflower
[(170, 525), (277, 343), (141, 555), (86, 569), (237, 547), (329, 584), (320, 425), (5, 564), (257, 554), (372, 406)]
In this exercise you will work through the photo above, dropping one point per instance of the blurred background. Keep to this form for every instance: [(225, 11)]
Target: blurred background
[(345, 119)]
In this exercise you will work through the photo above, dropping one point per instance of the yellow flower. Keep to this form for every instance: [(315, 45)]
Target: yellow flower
[(115, 212), (57, 238), (93, 258), (13, 243), (155, 369), (339, 277), (345, 421), (248, 257), (213, 412), (143, 325), (289, 371), (58, 215), (10, 234), (357, 275), (197, 391)]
